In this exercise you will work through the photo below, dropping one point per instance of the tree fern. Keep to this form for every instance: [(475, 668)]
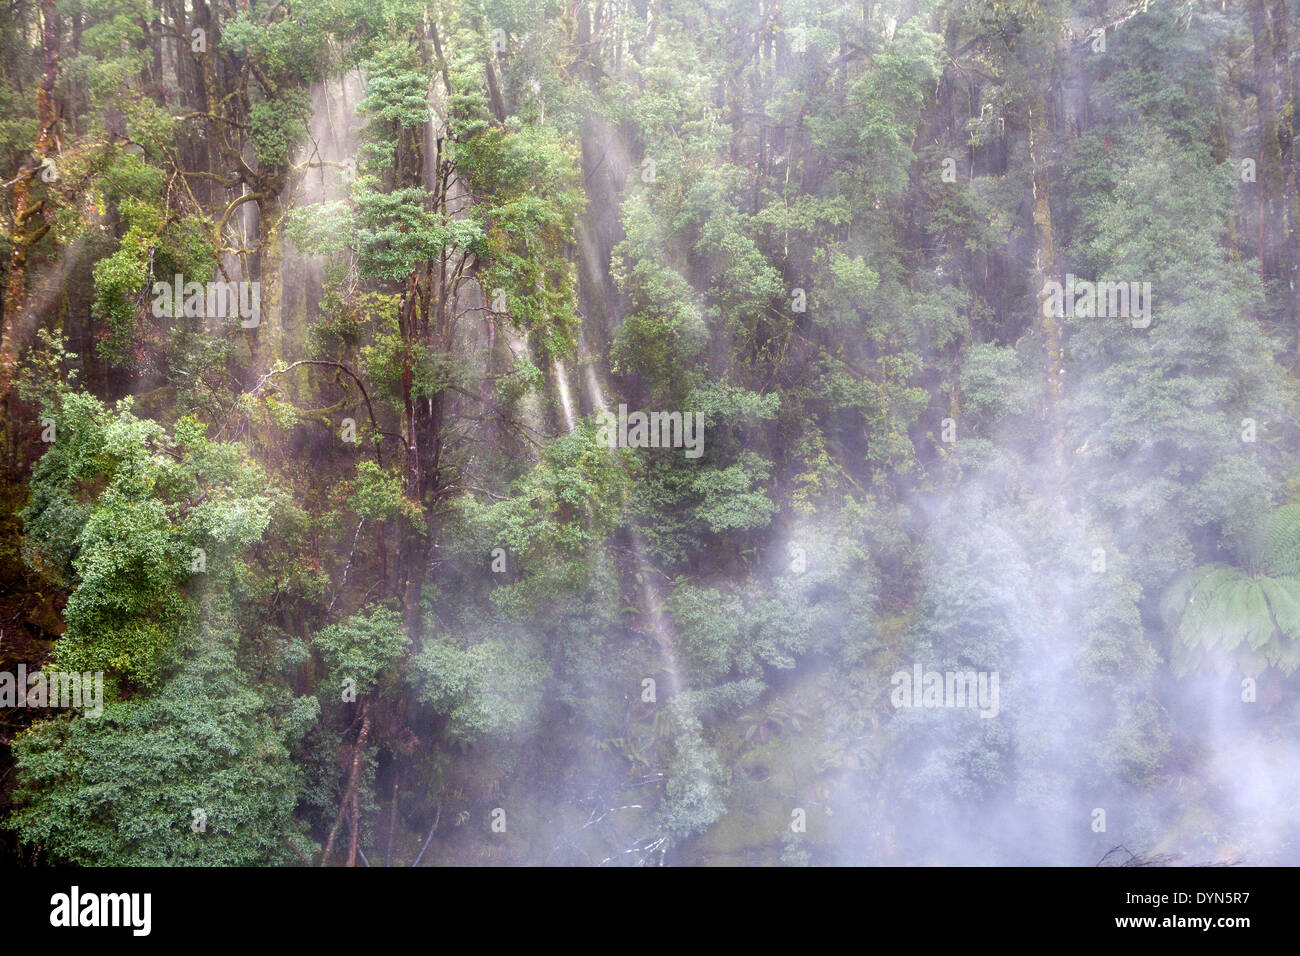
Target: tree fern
[(1244, 618)]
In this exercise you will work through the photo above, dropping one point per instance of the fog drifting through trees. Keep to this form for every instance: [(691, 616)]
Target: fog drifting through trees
[(652, 433)]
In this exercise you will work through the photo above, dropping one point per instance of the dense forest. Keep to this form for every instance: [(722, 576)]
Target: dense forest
[(649, 432)]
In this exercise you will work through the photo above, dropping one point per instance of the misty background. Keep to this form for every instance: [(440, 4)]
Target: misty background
[(369, 588)]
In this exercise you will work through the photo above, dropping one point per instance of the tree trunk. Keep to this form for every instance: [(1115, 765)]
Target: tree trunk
[(1270, 183), (1286, 79), (1044, 271), (348, 806), (31, 220)]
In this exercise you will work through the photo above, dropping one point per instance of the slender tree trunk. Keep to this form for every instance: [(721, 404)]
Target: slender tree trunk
[(347, 808), (392, 820), (1270, 179), (267, 340), (1286, 78), (1045, 270), (31, 221), (1290, 252)]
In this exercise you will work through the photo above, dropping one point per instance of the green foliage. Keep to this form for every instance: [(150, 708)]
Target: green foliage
[(731, 500), (528, 182), (994, 384), (695, 795), (117, 511), (560, 513), (665, 332), (1168, 402), (277, 126), (379, 495), (825, 230), (120, 278), (490, 688), (397, 232), (884, 102), (122, 789), (396, 91), (362, 648), (1242, 619)]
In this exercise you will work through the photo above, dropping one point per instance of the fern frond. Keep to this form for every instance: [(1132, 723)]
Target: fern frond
[(1173, 603), (1285, 655), (1284, 601), (1242, 615), (1276, 550), (1203, 621)]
